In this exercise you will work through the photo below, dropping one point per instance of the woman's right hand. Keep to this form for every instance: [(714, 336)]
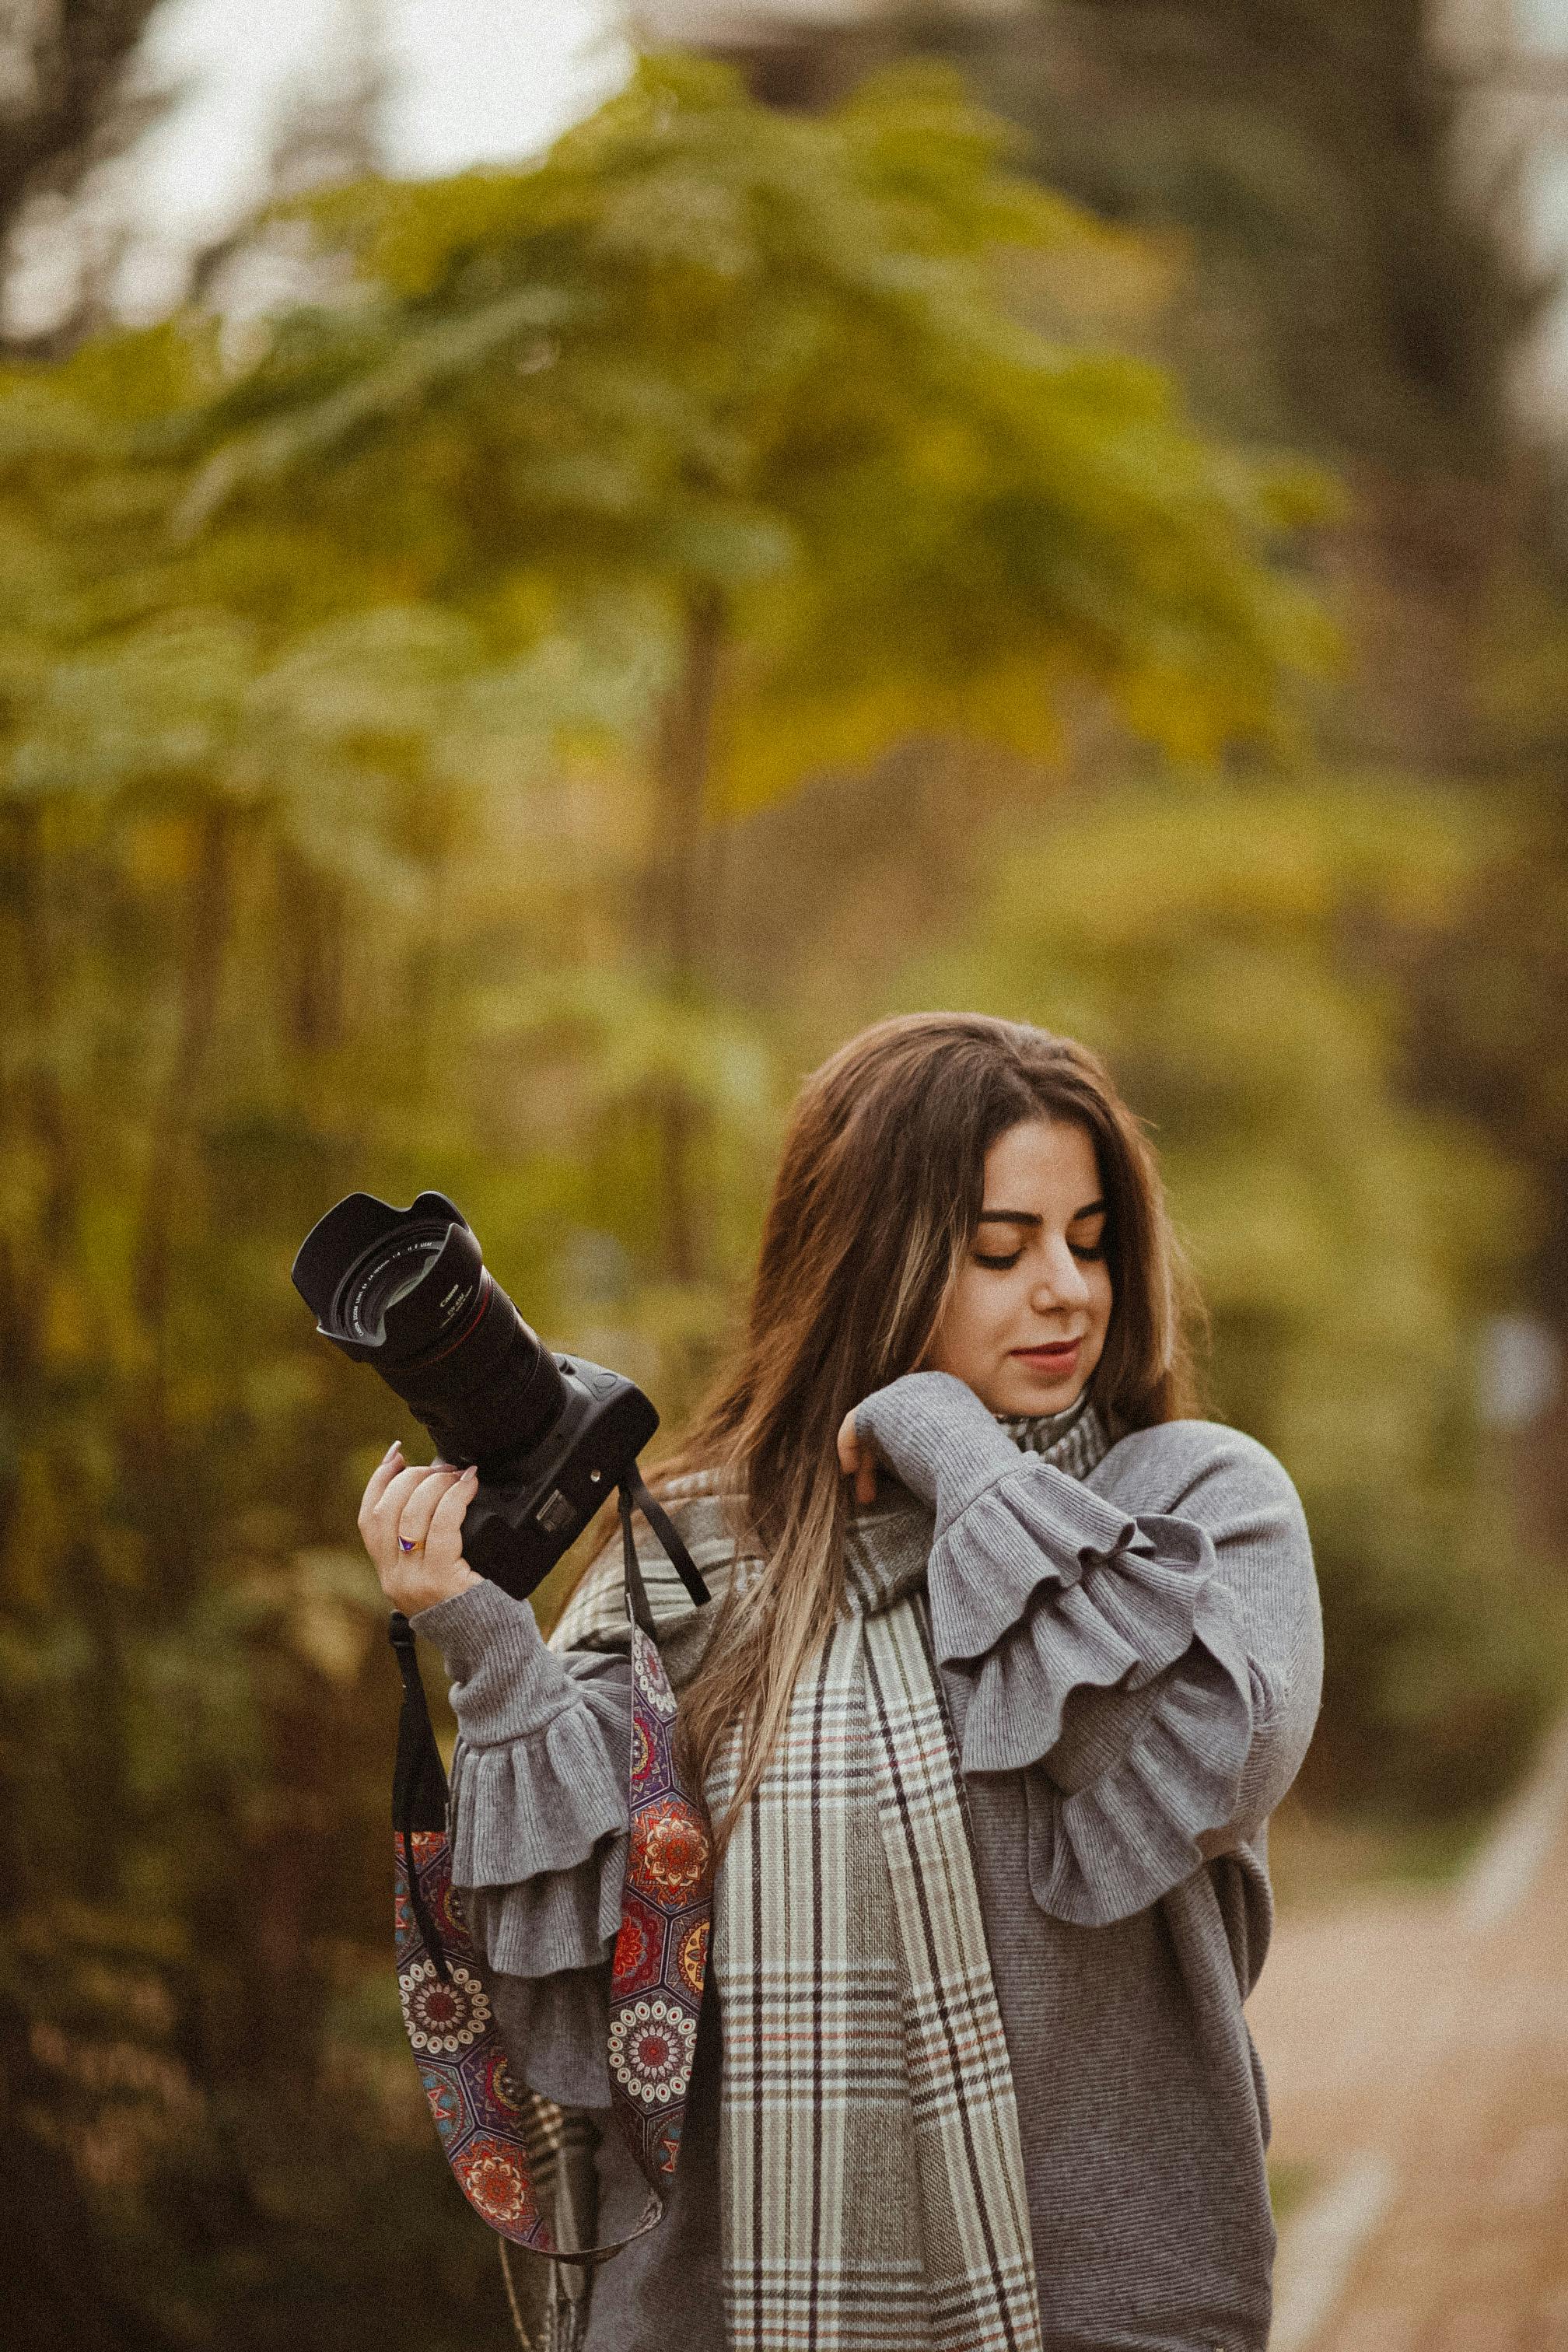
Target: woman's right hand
[(424, 1503)]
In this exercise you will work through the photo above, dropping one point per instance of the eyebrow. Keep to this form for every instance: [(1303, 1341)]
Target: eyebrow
[(1030, 1217)]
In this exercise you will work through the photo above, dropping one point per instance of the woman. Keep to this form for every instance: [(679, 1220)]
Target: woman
[(1008, 1663)]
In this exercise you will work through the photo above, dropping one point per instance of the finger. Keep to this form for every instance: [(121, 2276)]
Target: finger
[(396, 1493), (415, 1517), (448, 1515), (379, 1528), (381, 1476)]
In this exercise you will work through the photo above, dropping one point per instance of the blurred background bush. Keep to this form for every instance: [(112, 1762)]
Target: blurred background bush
[(1053, 509)]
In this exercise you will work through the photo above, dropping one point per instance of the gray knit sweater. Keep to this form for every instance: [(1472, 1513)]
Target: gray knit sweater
[(1133, 1661)]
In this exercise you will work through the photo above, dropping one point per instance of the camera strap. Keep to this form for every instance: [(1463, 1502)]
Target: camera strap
[(504, 2143), (633, 1494)]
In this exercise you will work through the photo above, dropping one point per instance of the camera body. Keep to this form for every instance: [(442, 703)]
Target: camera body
[(407, 1291), (517, 1527)]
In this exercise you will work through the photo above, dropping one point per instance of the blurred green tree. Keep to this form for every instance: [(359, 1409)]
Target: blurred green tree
[(755, 376)]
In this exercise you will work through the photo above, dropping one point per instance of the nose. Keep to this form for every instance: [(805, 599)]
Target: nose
[(1062, 1282)]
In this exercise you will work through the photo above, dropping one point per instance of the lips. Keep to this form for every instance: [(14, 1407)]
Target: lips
[(1058, 1354)]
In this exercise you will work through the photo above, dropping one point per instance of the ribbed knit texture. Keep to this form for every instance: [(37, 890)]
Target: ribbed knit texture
[(1132, 1661)]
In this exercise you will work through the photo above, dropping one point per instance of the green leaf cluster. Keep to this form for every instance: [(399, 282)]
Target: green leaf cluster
[(708, 349)]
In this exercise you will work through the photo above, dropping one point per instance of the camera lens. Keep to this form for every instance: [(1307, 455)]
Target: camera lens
[(407, 1291), (392, 1275)]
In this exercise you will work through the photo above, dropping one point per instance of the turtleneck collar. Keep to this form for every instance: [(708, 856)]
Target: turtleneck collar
[(1074, 1439), (1036, 1431)]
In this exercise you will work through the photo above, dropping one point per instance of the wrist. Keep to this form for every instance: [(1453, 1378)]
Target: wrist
[(428, 1588)]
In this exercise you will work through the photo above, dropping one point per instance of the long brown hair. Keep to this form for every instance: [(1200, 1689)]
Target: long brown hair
[(873, 1214)]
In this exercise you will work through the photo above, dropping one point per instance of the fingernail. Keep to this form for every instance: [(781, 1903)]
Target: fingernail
[(392, 1449)]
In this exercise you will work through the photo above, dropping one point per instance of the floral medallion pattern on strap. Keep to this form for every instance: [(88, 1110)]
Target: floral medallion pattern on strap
[(477, 2108), (500, 2138), (660, 1958)]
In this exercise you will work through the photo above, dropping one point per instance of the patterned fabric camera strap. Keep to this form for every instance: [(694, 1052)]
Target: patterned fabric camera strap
[(503, 2142)]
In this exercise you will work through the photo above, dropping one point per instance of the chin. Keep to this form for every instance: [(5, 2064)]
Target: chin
[(1037, 1395)]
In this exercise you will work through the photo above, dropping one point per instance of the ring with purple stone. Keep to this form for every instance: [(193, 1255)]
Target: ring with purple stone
[(403, 1545)]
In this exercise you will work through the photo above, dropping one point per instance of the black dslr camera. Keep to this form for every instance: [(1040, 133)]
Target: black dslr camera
[(407, 1290)]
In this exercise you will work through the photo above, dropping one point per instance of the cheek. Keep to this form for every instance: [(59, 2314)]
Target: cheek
[(1004, 1305), (974, 1312), (971, 1308)]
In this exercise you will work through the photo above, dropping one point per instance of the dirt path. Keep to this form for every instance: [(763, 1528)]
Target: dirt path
[(1417, 2051)]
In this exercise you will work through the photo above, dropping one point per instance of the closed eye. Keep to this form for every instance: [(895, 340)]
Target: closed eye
[(1003, 1264)]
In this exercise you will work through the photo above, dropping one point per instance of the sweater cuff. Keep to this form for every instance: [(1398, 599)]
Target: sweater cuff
[(1150, 1818), (936, 1437), (1032, 1529), (538, 1801), (948, 1448), (504, 1679)]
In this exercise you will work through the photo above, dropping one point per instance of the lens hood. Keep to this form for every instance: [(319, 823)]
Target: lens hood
[(366, 1246)]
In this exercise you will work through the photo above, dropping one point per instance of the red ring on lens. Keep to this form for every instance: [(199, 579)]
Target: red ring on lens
[(487, 1292)]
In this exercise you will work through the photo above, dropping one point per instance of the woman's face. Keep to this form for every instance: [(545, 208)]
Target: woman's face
[(1036, 1275)]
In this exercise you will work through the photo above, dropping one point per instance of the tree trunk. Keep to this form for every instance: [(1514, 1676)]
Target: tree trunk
[(174, 1115), (72, 56), (40, 1099), (681, 755), (150, 1467)]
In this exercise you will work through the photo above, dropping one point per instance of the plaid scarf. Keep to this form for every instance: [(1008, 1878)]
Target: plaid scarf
[(870, 2167)]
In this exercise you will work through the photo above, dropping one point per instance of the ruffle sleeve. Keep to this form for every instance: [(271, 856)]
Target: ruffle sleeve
[(538, 1812), (1036, 1613), (539, 1844), (1143, 1647)]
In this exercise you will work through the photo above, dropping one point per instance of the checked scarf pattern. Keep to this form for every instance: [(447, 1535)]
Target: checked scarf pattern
[(870, 2164)]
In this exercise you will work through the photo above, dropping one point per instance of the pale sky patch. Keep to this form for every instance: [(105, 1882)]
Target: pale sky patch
[(464, 82)]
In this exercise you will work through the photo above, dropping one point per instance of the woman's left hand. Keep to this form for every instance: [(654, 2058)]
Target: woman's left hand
[(857, 1458)]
